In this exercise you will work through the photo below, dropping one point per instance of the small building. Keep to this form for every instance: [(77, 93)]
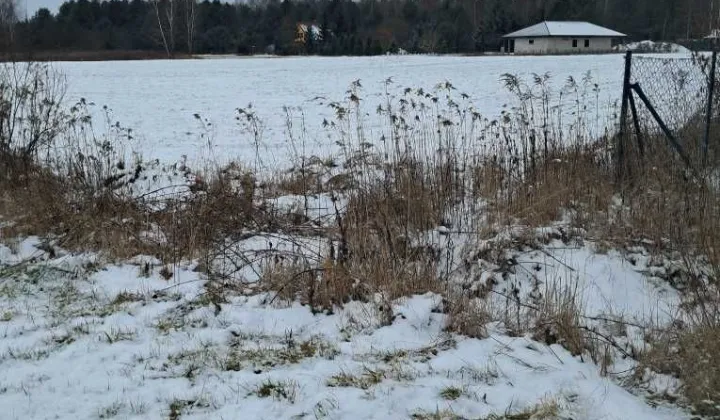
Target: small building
[(561, 38), (304, 30)]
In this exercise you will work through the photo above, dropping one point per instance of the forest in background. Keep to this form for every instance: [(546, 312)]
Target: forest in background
[(337, 27)]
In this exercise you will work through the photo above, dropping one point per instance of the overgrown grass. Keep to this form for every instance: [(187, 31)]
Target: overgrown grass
[(546, 410), (364, 380), (451, 393), (280, 390)]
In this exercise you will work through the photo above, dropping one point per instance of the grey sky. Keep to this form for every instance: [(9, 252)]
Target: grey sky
[(32, 6)]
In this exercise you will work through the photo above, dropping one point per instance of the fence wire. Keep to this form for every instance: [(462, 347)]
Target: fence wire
[(678, 88)]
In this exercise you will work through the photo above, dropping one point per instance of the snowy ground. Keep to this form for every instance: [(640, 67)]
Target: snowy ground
[(80, 339), (650, 46), (159, 99), (83, 338)]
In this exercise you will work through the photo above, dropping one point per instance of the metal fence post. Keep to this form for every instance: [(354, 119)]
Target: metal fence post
[(665, 129), (708, 117), (623, 119), (636, 122)]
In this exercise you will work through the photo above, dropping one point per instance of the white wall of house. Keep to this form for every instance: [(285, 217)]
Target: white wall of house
[(558, 45)]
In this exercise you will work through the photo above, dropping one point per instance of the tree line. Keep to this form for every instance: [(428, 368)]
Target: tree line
[(332, 27)]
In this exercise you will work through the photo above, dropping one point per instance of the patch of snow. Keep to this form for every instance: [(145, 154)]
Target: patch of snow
[(653, 47), (122, 341), (714, 34), (15, 251), (607, 284)]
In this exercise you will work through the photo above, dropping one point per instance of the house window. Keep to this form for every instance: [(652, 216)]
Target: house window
[(531, 41), (587, 43), (575, 43)]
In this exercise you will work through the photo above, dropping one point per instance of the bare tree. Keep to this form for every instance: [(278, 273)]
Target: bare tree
[(8, 19), (190, 24), (165, 12), (711, 24), (31, 111)]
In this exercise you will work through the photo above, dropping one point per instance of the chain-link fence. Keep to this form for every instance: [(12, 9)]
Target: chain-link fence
[(670, 97), (676, 87)]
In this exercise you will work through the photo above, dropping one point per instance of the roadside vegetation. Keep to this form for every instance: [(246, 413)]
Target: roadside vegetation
[(442, 203)]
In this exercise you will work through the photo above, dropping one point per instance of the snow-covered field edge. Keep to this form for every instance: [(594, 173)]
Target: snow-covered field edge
[(84, 338)]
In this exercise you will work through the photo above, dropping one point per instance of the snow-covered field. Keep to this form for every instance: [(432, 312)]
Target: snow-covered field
[(80, 339), (159, 99)]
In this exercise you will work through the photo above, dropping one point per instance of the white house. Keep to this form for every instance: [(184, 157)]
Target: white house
[(561, 38)]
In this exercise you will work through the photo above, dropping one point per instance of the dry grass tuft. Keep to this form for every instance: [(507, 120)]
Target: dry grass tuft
[(323, 288), (280, 390), (221, 206), (574, 181), (367, 379), (451, 393), (548, 409), (410, 196), (303, 180), (382, 270), (468, 317), (689, 353), (40, 202), (557, 319)]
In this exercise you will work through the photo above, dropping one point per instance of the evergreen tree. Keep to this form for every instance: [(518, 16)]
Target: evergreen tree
[(310, 39), (346, 26)]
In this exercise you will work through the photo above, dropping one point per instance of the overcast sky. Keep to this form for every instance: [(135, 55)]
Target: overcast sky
[(34, 5)]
